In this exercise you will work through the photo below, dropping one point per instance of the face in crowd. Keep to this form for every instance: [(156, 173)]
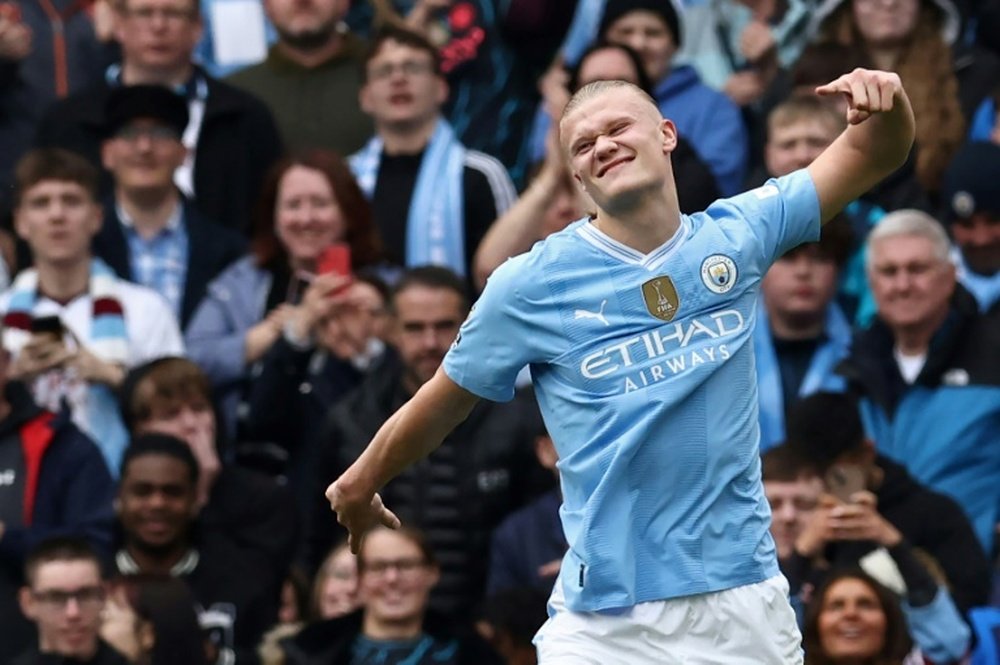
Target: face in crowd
[(64, 599)]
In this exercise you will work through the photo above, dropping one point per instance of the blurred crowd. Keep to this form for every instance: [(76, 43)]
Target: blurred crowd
[(238, 234)]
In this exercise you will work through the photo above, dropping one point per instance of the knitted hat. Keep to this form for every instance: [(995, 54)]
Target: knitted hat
[(615, 9), (971, 182)]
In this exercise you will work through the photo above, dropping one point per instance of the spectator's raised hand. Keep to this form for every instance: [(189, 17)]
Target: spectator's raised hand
[(15, 37), (860, 520), (867, 91), (818, 530), (42, 352), (325, 295)]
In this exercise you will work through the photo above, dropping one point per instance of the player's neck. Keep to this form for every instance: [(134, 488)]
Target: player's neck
[(643, 227)]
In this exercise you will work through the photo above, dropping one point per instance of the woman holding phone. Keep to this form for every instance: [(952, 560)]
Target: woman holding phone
[(309, 203)]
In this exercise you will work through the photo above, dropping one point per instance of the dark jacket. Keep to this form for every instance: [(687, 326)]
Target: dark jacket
[(211, 248), (930, 522), (105, 656), (329, 642), (495, 472), (233, 588), (237, 144), (73, 496), (66, 47), (257, 515), (287, 400)]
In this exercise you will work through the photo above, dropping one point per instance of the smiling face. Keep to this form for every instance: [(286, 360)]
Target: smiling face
[(911, 283), (618, 147), (307, 215), (852, 623), (395, 579), (157, 502)]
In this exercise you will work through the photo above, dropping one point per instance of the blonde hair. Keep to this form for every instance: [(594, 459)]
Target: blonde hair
[(925, 68), (597, 88)]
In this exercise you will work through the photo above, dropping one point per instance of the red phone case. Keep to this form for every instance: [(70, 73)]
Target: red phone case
[(335, 259)]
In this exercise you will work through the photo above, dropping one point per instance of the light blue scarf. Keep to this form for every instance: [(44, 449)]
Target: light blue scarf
[(986, 289), (435, 226), (108, 341), (820, 375)]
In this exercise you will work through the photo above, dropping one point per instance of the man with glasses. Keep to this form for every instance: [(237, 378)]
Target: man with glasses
[(311, 77), (152, 235), (64, 596), (230, 135), (433, 199)]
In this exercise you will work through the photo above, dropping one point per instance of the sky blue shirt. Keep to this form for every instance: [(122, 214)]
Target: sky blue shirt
[(159, 262), (643, 368)]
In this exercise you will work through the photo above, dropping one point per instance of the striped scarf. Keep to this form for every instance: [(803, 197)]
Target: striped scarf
[(108, 340)]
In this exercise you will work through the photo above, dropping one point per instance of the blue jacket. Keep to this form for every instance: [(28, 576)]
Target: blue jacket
[(944, 427), (710, 121), (216, 335)]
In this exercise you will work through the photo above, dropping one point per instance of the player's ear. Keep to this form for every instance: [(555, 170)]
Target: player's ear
[(669, 131)]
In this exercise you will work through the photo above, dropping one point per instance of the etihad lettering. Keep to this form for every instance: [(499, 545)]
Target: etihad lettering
[(664, 341)]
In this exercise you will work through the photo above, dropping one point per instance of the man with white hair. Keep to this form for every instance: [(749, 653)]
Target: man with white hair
[(928, 370)]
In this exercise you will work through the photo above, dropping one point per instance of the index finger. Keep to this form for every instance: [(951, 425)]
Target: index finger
[(833, 87)]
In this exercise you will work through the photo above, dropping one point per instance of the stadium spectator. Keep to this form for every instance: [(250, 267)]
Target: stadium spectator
[(73, 327), (63, 596), (231, 137), (311, 77), (396, 572), (703, 115), (327, 348), (335, 589), (927, 370), (911, 38), (54, 482), (972, 213), (157, 508), (855, 619), (308, 203), (47, 51), (432, 198), (152, 234), (172, 396), (152, 620), (881, 511), (801, 333)]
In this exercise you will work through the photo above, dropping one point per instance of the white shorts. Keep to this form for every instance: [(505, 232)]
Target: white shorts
[(748, 625)]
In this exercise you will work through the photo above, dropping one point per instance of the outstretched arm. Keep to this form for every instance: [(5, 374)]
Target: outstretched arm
[(410, 434), (876, 142)]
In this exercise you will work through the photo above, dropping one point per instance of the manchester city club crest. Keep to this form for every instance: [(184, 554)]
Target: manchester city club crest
[(718, 272), (661, 297)]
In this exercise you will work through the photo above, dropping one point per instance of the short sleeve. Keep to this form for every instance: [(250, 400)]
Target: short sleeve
[(502, 333), (780, 214)]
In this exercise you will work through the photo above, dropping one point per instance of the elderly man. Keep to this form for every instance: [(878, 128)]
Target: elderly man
[(928, 371)]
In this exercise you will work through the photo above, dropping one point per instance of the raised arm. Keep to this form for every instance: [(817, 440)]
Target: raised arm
[(410, 434), (876, 142)]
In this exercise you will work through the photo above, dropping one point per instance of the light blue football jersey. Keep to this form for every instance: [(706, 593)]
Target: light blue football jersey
[(644, 371)]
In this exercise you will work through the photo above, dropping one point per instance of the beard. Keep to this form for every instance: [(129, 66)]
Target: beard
[(311, 39)]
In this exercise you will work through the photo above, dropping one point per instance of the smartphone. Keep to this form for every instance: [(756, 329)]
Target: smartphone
[(336, 259), (844, 480), (47, 325)]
